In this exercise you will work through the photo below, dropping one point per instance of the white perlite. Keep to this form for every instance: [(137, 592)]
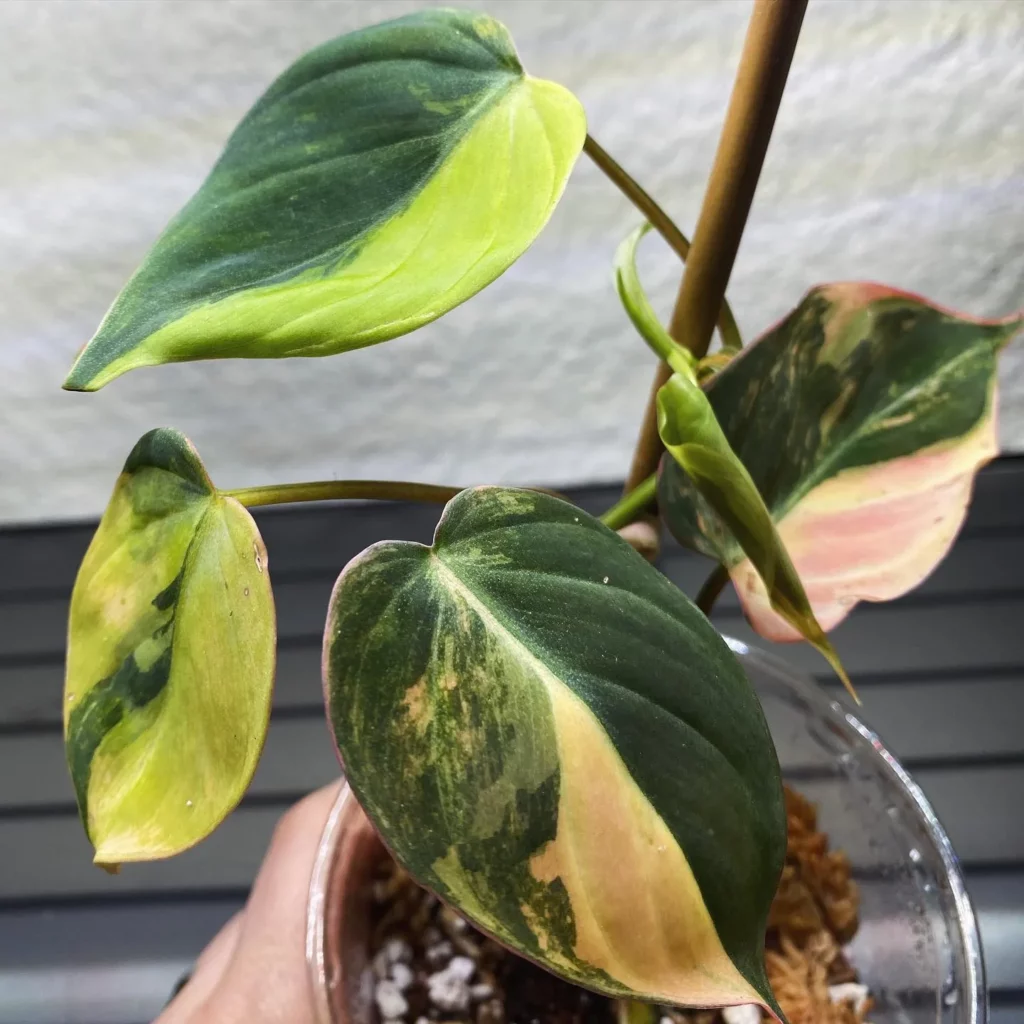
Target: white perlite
[(402, 975), (390, 1001), (746, 1014), (439, 953), (397, 951), (849, 992), (449, 989)]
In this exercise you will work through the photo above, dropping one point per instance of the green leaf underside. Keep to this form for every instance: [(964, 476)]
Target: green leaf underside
[(170, 663), (384, 178), (548, 734), (857, 382)]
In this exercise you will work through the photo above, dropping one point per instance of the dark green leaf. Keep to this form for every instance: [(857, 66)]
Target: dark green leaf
[(550, 735)]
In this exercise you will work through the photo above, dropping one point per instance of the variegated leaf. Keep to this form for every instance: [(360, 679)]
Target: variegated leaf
[(551, 736), (170, 662), (384, 178), (693, 437), (862, 418)]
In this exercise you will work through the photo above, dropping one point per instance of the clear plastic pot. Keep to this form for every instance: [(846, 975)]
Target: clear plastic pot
[(917, 949)]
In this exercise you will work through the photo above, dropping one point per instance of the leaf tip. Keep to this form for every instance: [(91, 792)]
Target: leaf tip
[(99, 361), (832, 657), (77, 380)]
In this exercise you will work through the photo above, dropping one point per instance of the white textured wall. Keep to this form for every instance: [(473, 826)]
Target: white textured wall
[(899, 156)]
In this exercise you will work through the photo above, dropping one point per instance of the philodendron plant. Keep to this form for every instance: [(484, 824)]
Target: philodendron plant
[(542, 727)]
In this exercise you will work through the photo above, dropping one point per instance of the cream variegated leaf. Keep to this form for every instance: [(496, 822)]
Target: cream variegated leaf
[(551, 736)]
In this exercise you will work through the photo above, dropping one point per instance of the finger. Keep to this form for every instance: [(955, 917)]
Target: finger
[(207, 973), (266, 979)]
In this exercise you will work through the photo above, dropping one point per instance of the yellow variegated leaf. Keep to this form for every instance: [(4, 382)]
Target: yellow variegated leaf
[(384, 178), (170, 660)]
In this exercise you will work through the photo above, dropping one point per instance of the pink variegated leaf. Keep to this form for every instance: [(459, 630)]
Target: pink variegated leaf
[(863, 418)]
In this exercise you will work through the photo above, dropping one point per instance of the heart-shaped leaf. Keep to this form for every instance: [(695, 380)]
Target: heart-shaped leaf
[(170, 662), (862, 418), (384, 178), (692, 436), (552, 737)]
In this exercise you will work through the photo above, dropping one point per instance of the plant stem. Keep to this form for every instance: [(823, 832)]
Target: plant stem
[(711, 589), (764, 65), (628, 1011), (332, 490), (631, 505), (662, 223)]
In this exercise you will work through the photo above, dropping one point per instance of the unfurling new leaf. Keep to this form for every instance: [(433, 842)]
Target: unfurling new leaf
[(552, 737), (694, 439), (692, 436), (384, 178), (862, 418), (170, 661)]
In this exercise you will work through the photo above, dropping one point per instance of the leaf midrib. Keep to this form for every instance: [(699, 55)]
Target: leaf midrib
[(491, 618)]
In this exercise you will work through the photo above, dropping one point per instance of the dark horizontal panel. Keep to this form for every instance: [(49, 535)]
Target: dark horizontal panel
[(920, 722), (101, 964), (30, 695), (301, 538), (881, 640), (979, 807), (999, 903), (979, 565), (49, 856), (113, 993), (996, 503), (957, 717), (146, 929), (298, 756), (989, 568)]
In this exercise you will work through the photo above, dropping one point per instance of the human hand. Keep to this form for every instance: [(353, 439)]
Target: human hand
[(254, 971)]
